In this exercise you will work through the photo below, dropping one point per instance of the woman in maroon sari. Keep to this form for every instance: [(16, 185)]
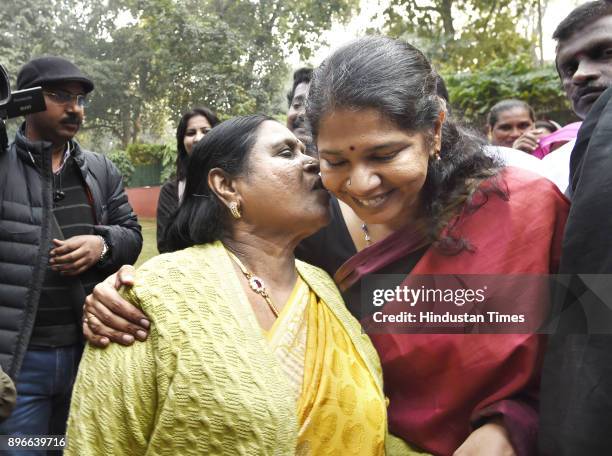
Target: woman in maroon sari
[(415, 194), (420, 185)]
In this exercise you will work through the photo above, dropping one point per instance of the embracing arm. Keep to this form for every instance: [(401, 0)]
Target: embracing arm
[(110, 317)]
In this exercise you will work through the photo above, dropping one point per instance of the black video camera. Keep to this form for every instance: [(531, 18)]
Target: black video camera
[(16, 104)]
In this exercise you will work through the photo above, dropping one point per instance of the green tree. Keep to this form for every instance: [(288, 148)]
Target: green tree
[(461, 34), (226, 54), (152, 59), (232, 52)]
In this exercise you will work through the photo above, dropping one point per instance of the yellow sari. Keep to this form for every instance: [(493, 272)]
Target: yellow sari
[(341, 409)]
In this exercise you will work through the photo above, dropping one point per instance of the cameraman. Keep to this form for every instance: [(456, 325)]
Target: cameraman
[(65, 224)]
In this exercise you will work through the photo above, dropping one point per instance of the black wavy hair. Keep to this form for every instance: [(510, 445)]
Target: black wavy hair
[(300, 75), (506, 105), (181, 129), (202, 217), (543, 123), (580, 17), (396, 79)]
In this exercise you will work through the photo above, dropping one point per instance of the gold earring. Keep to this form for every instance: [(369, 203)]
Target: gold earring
[(348, 183), (235, 210)]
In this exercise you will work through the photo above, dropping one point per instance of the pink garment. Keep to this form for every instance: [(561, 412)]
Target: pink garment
[(563, 135)]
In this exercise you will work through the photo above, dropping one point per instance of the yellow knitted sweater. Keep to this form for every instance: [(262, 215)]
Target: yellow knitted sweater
[(205, 382)]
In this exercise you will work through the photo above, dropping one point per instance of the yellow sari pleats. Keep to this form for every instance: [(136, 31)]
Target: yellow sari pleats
[(340, 408), (287, 337)]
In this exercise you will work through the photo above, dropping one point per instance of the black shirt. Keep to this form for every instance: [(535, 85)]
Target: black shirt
[(330, 247), (57, 323)]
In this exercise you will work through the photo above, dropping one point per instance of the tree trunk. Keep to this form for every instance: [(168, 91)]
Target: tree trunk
[(125, 129), (541, 5), (446, 13), (445, 9), (136, 127)]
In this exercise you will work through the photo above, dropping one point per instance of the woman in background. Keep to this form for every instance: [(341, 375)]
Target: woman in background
[(192, 127), (511, 123)]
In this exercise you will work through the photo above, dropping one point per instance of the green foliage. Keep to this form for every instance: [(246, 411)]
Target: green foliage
[(485, 51), (123, 164), (472, 94), (488, 30), (168, 162), (144, 154), (151, 60)]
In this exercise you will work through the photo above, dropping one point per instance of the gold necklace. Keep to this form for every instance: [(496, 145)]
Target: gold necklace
[(256, 283)]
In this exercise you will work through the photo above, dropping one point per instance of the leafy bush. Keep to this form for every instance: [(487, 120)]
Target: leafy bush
[(144, 154), (123, 163), (472, 94), (168, 162)]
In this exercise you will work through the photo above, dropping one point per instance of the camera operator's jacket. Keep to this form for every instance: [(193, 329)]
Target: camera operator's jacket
[(25, 233)]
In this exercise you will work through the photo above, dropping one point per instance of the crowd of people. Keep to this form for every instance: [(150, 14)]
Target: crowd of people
[(246, 334)]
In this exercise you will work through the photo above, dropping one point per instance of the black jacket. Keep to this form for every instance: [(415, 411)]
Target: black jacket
[(576, 391), (25, 232)]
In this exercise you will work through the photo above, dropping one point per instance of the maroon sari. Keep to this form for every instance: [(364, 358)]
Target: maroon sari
[(441, 386)]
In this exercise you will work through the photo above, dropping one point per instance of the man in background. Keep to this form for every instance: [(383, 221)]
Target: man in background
[(576, 392), (65, 225), (296, 97)]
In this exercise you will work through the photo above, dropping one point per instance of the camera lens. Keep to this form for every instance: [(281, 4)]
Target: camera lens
[(5, 86)]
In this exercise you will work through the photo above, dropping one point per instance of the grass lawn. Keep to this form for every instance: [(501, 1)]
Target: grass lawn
[(149, 236)]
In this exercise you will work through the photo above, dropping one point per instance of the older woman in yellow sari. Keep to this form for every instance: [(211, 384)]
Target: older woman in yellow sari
[(250, 351)]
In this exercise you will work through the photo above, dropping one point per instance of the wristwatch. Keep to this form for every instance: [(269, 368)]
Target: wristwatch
[(105, 250)]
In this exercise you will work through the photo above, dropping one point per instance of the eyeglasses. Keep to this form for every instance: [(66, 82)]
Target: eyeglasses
[(66, 98)]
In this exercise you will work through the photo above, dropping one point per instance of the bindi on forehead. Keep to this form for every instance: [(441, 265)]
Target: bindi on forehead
[(352, 148)]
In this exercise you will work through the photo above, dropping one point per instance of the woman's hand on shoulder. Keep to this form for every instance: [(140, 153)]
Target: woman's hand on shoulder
[(490, 439), (107, 317)]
